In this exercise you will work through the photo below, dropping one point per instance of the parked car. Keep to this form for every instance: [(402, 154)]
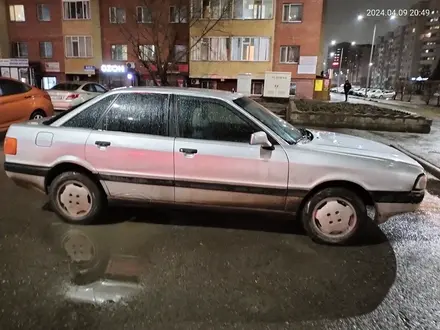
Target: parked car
[(359, 92), (379, 94), (354, 90), (372, 92), (69, 94), (207, 148), (21, 102)]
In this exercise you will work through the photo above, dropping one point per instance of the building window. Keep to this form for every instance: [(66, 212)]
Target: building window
[(43, 13), (117, 15), (178, 14), (76, 9), (250, 49), (19, 49), (46, 49), (289, 54), (181, 53), (210, 49), (211, 9), (253, 9), (119, 52), (143, 15), (79, 46), (292, 13), (146, 53), (16, 13)]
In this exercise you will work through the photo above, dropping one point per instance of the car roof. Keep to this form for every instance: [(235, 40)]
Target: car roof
[(200, 92)]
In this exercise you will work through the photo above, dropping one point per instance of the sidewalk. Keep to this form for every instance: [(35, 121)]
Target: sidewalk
[(426, 146)]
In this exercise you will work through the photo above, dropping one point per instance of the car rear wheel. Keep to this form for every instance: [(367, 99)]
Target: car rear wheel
[(38, 114), (76, 198), (333, 216)]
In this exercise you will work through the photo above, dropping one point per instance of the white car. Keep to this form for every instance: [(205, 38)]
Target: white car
[(383, 94), (67, 95), (372, 92)]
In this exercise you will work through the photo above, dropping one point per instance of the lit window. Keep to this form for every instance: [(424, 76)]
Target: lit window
[(292, 13), (76, 9), (119, 52), (16, 13)]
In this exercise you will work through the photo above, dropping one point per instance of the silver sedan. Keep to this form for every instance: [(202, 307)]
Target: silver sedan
[(204, 148)]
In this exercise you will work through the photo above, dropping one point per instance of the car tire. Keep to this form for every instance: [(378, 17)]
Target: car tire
[(329, 211), (381, 97), (76, 198), (37, 114)]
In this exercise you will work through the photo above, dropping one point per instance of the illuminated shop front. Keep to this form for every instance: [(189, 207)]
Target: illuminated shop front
[(17, 68), (118, 75)]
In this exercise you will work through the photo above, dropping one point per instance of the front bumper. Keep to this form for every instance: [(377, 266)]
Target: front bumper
[(390, 205)]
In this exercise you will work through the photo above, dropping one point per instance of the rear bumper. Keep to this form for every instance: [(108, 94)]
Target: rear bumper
[(388, 205), (62, 105), (28, 181)]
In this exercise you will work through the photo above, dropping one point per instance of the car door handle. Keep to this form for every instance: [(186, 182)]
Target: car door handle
[(102, 143), (188, 151)]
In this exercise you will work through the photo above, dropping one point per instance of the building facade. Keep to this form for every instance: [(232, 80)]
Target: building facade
[(254, 38)]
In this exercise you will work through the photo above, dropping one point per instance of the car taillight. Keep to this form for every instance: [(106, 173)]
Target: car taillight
[(10, 146), (72, 96)]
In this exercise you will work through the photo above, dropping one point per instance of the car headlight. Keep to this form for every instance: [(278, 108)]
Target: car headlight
[(421, 182)]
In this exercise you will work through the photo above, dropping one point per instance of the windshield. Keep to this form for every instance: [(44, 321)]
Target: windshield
[(282, 128), (66, 87)]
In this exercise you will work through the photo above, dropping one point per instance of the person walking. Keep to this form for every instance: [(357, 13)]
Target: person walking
[(347, 88)]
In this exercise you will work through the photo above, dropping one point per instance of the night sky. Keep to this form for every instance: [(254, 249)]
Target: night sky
[(341, 19)]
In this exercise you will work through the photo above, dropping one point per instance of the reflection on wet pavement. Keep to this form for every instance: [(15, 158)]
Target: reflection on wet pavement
[(166, 269)]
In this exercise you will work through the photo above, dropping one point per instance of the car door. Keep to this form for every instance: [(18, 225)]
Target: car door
[(215, 163), (14, 98), (131, 149), (88, 92)]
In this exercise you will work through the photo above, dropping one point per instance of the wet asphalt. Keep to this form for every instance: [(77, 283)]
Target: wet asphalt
[(174, 269)]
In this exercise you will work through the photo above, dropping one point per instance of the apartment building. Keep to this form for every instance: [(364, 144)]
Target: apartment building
[(410, 52), (252, 38), (144, 34)]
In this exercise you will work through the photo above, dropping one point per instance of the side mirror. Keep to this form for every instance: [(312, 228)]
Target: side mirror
[(260, 138)]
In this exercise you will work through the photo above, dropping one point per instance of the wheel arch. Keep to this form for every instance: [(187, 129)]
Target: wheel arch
[(69, 166), (363, 194)]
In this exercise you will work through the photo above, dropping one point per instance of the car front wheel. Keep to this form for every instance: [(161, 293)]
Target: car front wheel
[(333, 215), (76, 198)]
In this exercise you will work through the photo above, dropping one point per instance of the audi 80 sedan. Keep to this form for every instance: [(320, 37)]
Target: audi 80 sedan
[(206, 148)]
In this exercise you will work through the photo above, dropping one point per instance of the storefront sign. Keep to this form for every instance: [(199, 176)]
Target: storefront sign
[(89, 68), (113, 68), (52, 66), (18, 62)]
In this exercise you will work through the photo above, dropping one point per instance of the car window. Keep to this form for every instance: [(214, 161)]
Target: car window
[(99, 88), (89, 117), (66, 87), (11, 87), (89, 88), (140, 113), (206, 119)]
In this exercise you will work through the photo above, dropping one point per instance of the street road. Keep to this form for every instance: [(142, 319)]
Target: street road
[(164, 269)]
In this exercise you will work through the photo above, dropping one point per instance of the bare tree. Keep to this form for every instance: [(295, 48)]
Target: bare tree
[(159, 32)]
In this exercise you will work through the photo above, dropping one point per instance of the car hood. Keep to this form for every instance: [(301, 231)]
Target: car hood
[(352, 145)]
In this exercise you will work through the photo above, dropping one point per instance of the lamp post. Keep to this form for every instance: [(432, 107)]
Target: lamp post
[(360, 18)]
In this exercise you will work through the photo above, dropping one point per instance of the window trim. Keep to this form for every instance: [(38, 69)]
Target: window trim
[(233, 108), (287, 46), (98, 126), (86, 36), (14, 46), (126, 53), (77, 19), (41, 5), (256, 19), (110, 9), (14, 20), (293, 4), (137, 15), (45, 55), (180, 20), (241, 50)]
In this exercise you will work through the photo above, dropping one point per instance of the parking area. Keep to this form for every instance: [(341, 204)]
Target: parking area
[(165, 269)]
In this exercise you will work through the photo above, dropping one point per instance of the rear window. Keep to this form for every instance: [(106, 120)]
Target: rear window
[(66, 87)]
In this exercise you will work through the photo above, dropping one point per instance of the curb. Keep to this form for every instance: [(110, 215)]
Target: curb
[(429, 167)]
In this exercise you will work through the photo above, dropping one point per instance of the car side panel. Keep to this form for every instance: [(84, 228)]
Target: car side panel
[(40, 148)]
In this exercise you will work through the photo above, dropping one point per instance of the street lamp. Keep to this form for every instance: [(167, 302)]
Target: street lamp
[(360, 18), (353, 43), (333, 42)]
